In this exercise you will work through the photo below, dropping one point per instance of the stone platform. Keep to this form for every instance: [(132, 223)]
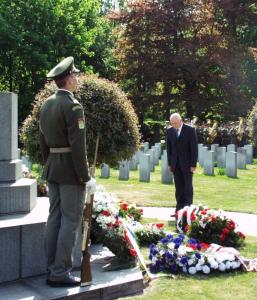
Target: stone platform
[(106, 285)]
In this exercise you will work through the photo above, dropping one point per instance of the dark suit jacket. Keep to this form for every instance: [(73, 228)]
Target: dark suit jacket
[(62, 124), (182, 151)]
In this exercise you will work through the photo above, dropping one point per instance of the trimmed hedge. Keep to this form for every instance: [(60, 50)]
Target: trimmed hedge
[(107, 112)]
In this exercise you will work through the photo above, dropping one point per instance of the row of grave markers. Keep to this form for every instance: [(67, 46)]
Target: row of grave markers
[(230, 158), (146, 159)]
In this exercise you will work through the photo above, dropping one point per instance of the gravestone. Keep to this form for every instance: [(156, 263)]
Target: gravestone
[(152, 165), (105, 171), (214, 148), (202, 155), (241, 158), (156, 155), (144, 168), (146, 146), (167, 176), (208, 167), (231, 164), (231, 147), (159, 147), (199, 152), (124, 170), (133, 163), (249, 153), (221, 157)]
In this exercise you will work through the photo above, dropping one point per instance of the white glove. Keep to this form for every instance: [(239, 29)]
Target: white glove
[(91, 186)]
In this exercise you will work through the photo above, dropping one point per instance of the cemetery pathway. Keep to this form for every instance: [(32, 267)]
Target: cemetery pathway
[(247, 222)]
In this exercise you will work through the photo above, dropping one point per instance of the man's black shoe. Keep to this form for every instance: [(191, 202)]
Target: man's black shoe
[(67, 282)]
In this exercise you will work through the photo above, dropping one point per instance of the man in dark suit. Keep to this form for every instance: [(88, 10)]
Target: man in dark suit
[(62, 140), (182, 154)]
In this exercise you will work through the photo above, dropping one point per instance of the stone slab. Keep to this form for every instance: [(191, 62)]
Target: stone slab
[(9, 254), (33, 260), (10, 170), (9, 126), (19, 196), (106, 285)]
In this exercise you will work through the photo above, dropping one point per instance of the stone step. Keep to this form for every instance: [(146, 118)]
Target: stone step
[(105, 285), (22, 243), (18, 197)]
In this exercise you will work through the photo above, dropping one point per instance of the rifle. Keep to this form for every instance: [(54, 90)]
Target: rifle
[(86, 276)]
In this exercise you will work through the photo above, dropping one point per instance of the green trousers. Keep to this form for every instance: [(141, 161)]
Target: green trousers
[(65, 214)]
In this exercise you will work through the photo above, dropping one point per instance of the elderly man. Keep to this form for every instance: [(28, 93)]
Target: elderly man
[(62, 138), (182, 158)]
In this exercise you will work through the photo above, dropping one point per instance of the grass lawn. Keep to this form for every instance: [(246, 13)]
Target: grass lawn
[(234, 285), (218, 191)]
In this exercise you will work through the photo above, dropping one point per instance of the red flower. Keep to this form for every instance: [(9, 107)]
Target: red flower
[(193, 246), (204, 246), (225, 231), (124, 206), (133, 252), (159, 225), (184, 213), (192, 217), (213, 218), (242, 236), (176, 215), (186, 228), (203, 212), (222, 237), (141, 211), (231, 225), (105, 213)]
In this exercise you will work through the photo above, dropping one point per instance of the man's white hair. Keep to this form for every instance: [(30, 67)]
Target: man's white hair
[(176, 116)]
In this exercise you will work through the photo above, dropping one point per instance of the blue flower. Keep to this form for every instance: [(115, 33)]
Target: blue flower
[(181, 236), (178, 240), (184, 260), (153, 269), (158, 263), (173, 267), (169, 236), (199, 247), (177, 245), (165, 240), (192, 241), (197, 255), (169, 255), (150, 256), (152, 246)]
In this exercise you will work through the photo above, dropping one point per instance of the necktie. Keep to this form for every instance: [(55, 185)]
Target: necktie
[(177, 133)]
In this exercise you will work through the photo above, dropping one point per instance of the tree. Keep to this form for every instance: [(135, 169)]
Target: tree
[(36, 34), (190, 61)]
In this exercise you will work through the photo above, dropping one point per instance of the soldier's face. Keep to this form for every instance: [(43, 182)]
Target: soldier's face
[(73, 81)]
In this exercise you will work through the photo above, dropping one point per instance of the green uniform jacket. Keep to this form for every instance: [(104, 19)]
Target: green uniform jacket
[(62, 124)]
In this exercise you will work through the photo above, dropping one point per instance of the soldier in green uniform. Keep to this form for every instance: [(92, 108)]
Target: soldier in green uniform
[(63, 145)]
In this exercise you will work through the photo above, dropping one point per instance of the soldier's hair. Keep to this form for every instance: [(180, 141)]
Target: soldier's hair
[(176, 116), (61, 82)]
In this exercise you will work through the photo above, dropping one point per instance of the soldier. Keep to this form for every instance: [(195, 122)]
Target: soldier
[(62, 139)]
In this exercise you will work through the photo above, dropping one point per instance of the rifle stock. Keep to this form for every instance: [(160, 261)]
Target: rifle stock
[(86, 276)]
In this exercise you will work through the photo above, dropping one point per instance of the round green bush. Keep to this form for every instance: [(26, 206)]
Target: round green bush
[(108, 112)]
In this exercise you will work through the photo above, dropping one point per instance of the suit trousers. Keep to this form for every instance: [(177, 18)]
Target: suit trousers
[(65, 215), (184, 187)]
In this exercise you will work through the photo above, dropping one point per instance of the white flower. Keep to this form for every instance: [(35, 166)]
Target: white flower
[(201, 261), (190, 261), (171, 246), (206, 269), (214, 265), (222, 267), (198, 267), (192, 270), (235, 264), (184, 269), (228, 265)]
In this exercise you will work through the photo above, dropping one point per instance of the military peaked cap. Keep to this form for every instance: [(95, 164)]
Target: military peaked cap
[(64, 68)]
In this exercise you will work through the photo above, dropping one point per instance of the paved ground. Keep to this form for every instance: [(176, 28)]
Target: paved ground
[(247, 222)]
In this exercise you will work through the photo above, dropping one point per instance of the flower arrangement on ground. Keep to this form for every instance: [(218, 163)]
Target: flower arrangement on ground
[(209, 226), (174, 254), (108, 218), (149, 233)]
